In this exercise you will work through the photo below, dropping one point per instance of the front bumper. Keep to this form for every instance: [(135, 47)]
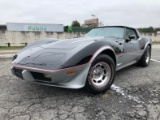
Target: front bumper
[(58, 78)]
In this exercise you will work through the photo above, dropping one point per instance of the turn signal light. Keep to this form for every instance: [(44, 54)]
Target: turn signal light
[(72, 72)]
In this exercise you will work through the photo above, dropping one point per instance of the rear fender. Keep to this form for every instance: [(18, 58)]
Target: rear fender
[(147, 44)]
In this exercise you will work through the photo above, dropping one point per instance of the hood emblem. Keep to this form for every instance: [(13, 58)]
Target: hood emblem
[(28, 55)]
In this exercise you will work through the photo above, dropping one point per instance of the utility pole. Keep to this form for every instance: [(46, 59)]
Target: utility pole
[(101, 23)]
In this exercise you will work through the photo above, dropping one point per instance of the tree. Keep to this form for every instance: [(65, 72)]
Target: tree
[(75, 24), (147, 30)]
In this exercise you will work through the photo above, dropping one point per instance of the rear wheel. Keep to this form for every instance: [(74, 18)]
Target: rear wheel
[(145, 59), (101, 74)]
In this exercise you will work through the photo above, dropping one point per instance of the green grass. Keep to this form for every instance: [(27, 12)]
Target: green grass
[(155, 42), (11, 48), (2, 53)]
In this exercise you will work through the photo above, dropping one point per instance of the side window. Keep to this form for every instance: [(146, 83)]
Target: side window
[(130, 32)]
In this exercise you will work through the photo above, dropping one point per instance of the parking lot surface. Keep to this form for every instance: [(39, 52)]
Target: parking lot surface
[(135, 95)]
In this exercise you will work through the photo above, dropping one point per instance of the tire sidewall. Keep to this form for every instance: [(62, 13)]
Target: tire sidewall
[(142, 62), (108, 60), (148, 47), (149, 53)]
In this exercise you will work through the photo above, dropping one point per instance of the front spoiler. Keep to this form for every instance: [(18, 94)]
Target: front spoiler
[(59, 78)]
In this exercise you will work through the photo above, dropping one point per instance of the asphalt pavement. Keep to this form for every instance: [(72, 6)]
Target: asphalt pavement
[(135, 95)]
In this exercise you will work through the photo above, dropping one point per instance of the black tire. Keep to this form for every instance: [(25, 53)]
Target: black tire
[(145, 59), (107, 68)]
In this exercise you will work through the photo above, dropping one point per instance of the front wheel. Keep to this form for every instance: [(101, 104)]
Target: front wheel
[(145, 59), (101, 74)]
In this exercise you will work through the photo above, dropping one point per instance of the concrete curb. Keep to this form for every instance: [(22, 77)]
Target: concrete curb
[(6, 56)]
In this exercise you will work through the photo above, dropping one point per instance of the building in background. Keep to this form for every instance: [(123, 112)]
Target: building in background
[(91, 23), (35, 27)]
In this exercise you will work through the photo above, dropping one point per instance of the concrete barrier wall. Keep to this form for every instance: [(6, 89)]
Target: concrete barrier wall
[(21, 38), (153, 36)]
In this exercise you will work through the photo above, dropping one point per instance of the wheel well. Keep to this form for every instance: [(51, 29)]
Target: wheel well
[(150, 45), (110, 53)]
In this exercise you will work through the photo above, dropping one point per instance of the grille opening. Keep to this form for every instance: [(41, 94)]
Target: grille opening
[(40, 76), (18, 73)]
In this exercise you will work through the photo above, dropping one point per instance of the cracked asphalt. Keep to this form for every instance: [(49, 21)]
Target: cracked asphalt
[(135, 95)]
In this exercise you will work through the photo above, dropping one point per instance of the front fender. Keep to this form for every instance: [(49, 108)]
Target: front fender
[(87, 54), (82, 77), (100, 50), (91, 51)]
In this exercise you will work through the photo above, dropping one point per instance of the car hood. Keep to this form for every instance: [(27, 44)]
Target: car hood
[(71, 43), (52, 55)]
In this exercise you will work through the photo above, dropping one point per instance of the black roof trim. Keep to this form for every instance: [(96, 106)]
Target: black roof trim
[(116, 26)]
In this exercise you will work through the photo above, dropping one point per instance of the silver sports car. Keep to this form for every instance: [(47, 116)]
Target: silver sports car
[(89, 61)]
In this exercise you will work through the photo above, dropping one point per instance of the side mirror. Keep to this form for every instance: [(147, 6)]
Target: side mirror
[(127, 39), (132, 37)]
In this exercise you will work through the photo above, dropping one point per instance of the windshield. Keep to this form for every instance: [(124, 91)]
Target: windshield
[(108, 31)]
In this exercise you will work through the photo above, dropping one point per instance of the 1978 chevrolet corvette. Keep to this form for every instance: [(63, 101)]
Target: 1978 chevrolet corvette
[(90, 61)]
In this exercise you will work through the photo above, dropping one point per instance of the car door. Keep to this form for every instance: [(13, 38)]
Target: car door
[(130, 45)]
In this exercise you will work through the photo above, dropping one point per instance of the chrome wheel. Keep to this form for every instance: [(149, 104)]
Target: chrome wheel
[(147, 56), (100, 74)]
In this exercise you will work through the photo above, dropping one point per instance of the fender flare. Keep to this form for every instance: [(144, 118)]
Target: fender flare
[(145, 47), (99, 51)]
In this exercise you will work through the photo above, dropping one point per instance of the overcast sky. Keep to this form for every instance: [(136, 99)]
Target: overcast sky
[(135, 13)]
